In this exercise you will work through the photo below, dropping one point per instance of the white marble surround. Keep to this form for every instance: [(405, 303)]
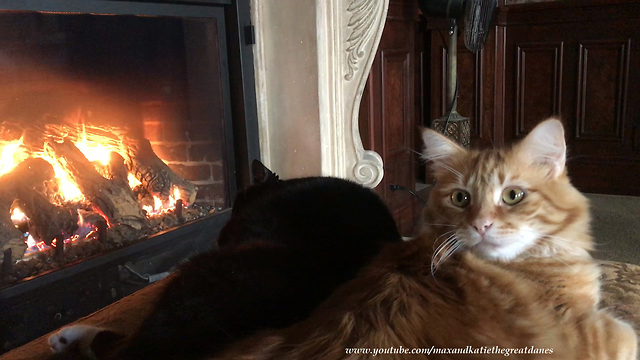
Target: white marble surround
[(312, 62)]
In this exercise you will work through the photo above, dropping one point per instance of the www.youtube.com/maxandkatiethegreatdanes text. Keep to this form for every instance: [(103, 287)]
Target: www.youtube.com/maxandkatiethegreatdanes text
[(469, 350)]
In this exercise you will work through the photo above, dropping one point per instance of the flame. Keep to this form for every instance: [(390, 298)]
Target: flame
[(157, 203), (93, 151), (96, 145), (11, 154), (68, 188), (160, 207), (31, 242), (133, 181), (174, 197), (17, 216), (97, 148), (34, 246)]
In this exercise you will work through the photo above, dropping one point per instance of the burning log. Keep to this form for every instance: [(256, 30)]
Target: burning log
[(46, 221), (30, 173), (154, 174), (112, 198), (114, 170), (10, 237), (117, 169), (27, 175), (7, 263)]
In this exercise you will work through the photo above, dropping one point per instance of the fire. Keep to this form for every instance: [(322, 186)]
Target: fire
[(97, 146), (133, 181), (17, 216), (86, 232), (94, 151), (11, 154), (68, 188), (34, 246), (160, 207)]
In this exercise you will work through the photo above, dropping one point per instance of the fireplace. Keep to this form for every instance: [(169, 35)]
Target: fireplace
[(125, 130)]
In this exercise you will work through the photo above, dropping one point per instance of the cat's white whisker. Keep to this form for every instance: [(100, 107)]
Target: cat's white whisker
[(446, 243), (455, 247), (441, 236), (440, 248), (452, 245)]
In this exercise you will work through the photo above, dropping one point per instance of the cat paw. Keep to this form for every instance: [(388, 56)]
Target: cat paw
[(70, 337)]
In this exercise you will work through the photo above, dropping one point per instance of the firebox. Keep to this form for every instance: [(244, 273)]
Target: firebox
[(126, 128)]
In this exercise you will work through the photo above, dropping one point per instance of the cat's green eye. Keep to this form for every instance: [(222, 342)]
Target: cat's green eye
[(460, 198), (512, 195)]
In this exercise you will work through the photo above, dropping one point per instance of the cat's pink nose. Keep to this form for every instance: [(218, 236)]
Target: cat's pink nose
[(482, 225)]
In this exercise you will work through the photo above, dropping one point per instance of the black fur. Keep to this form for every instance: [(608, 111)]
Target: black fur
[(287, 246)]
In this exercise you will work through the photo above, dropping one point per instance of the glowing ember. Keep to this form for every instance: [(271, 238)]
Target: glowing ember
[(34, 247), (86, 232)]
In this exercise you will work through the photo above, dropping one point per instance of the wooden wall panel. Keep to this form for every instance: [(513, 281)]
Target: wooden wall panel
[(603, 72), (397, 87), (470, 73), (538, 84)]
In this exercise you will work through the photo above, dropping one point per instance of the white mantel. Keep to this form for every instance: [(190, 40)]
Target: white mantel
[(312, 62)]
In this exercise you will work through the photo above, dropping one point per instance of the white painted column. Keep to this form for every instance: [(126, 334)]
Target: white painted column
[(312, 62)]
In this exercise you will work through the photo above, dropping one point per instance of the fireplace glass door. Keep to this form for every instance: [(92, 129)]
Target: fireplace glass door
[(115, 124)]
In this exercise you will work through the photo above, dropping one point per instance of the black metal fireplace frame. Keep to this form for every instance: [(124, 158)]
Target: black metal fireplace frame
[(51, 297)]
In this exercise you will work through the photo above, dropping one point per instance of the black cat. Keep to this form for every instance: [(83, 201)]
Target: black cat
[(287, 246)]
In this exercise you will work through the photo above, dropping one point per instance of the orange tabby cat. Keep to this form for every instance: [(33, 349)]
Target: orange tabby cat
[(502, 260)]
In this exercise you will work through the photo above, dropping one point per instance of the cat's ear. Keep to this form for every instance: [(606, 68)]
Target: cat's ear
[(438, 148), (545, 146), (261, 174)]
